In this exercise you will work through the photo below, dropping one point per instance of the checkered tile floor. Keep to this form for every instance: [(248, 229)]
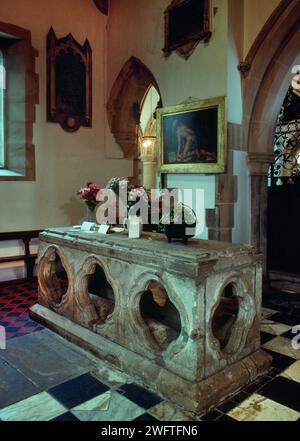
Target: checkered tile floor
[(90, 397), (15, 300)]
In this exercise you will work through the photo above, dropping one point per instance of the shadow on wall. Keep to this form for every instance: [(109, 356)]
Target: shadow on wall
[(74, 211)]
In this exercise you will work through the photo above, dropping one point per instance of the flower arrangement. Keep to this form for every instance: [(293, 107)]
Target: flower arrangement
[(117, 184), (131, 192), (128, 195), (89, 195)]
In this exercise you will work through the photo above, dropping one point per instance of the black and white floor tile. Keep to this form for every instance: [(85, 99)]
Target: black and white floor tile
[(92, 391)]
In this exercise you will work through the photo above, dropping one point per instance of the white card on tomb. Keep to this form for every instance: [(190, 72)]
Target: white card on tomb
[(134, 230), (103, 229), (87, 226)]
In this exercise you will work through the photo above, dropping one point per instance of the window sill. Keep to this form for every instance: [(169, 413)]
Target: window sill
[(9, 173)]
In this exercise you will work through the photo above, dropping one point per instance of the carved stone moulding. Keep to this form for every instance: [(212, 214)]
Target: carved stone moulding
[(125, 103), (244, 68), (54, 290)]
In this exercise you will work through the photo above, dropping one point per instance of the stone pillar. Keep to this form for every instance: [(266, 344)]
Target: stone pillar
[(220, 220), (148, 158), (259, 164), (149, 174)]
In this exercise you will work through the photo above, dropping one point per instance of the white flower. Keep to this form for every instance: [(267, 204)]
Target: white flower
[(179, 214)]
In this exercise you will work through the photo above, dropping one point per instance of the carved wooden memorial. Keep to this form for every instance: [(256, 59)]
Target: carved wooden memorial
[(69, 82), (186, 23)]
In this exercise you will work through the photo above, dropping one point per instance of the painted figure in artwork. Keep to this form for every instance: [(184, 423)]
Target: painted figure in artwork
[(188, 148)]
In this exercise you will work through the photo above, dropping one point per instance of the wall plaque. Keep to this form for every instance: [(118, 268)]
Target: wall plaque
[(186, 23), (69, 82)]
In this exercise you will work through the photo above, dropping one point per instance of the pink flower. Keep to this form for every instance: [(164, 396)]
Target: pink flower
[(93, 186), (83, 191), (89, 193)]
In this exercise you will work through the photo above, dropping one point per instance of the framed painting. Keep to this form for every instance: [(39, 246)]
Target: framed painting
[(192, 138)]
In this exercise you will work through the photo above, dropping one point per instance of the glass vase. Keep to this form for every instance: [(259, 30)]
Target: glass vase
[(90, 214)]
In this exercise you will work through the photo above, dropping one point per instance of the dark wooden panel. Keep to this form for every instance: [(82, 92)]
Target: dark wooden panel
[(29, 259), (19, 235), (284, 228)]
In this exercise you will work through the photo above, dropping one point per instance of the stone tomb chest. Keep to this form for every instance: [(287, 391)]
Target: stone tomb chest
[(184, 319)]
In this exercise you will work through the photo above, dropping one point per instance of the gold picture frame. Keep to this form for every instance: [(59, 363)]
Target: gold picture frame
[(192, 138)]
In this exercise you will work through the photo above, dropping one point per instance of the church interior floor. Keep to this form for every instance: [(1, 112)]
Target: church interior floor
[(44, 377)]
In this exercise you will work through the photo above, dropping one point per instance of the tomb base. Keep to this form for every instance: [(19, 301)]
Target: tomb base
[(184, 320), (196, 397)]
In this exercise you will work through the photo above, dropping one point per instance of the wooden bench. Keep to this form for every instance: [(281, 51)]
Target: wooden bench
[(28, 258)]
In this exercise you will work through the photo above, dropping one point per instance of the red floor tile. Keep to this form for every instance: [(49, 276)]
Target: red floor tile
[(15, 301)]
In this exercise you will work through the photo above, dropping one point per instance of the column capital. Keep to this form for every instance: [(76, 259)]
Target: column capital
[(128, 142), (259, 163)]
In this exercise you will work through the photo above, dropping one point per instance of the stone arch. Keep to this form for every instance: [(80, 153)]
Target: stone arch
[(268, 74), (125, 102), (245, 315), (50, 289), (141, 329), (88, 311)]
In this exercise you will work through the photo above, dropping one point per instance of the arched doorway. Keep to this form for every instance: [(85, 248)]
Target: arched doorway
[(268, 75), (283, 239), (124, 107)]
